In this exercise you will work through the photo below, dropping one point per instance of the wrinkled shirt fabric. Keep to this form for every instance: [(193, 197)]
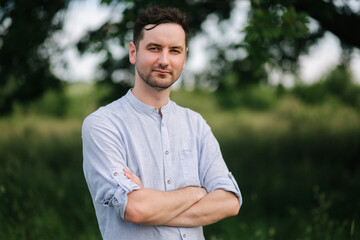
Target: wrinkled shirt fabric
[(167, 153)]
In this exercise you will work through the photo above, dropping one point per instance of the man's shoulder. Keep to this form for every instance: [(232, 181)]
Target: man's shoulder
[(187, 112), (109, 112)]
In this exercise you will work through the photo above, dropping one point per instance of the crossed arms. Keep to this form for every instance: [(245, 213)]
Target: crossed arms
[(186, 207)]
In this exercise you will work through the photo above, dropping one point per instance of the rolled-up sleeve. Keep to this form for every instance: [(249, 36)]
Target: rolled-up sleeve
[(103, 164), (214, 173)]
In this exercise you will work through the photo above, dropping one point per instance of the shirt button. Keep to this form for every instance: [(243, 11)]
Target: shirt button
[(167, 152), (184, 235), (116, 174), (169, 181), (155, 110), (162, 124)]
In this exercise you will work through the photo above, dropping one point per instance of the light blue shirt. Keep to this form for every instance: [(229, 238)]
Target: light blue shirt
[(168, 153)]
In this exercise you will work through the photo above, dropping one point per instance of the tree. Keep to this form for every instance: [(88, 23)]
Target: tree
[(25, 49), (278, 32)]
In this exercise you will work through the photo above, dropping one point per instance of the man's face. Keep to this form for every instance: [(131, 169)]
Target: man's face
[(161, 54)]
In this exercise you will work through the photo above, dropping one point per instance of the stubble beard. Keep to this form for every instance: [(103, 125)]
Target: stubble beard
[(148, 79)]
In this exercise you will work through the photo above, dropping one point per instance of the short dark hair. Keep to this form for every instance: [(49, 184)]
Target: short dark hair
[(155, 15)]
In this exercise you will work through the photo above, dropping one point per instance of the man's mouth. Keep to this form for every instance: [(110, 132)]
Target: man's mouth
[(162, 72)]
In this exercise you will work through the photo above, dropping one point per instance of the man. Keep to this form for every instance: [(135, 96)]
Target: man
[(154, 169)]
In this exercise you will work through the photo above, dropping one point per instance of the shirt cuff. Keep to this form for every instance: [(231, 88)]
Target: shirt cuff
[(228, 184), (120, 197)]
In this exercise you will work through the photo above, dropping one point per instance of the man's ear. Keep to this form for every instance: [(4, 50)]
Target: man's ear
[(132, 53)]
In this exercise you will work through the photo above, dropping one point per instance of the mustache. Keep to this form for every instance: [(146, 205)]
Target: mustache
[(162, 67)]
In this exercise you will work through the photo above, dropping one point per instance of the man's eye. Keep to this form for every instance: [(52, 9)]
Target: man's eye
[(154, 49), (175, 51)]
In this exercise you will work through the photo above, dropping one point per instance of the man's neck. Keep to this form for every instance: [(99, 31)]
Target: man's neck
[(150, 96)]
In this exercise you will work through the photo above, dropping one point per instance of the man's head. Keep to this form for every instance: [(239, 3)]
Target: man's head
[(159, 48), (154, 16)]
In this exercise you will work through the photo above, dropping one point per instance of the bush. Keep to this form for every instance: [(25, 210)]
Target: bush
[(42, 185), (338, 84)]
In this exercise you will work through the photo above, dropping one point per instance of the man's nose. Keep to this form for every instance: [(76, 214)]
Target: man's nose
[(163, 59)]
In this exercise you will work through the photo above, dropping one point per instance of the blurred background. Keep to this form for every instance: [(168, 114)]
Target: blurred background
[(277, 80)]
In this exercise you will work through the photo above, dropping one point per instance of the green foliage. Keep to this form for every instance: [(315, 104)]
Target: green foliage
[(42, 192), (277, 33), (322, 226), (83, 98), (76, 102), (274, 37), (311, 94), (25, 49), (337, 85), (274, 34), (53, 103), (253, 97)]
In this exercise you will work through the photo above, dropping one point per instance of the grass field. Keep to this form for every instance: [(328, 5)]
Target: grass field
[(297, 166)]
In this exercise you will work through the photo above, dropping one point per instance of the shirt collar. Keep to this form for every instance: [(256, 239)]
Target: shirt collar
[(145, 108)]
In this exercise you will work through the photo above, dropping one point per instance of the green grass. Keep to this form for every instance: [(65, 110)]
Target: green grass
[(297, 166)]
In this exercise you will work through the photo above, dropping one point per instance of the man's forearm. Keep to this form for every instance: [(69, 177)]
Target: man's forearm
[(213, 207), (152, 207)]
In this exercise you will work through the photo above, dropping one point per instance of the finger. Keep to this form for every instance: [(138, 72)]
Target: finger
[(130, 177), (135, 179), (128, 173)]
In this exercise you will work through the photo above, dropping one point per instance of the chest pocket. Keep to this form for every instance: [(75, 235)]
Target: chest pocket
[(190, 167)]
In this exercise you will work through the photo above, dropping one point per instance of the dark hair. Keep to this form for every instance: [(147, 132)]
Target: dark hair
[(155, 15)]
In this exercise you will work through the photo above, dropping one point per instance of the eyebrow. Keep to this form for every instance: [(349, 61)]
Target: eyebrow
[(153, 45), (178, 48), (158, 45)]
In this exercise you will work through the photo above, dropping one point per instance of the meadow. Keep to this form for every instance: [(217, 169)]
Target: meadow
[(296, 164)]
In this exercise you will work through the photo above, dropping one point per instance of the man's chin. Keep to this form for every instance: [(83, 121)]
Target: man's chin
[(161, 84)]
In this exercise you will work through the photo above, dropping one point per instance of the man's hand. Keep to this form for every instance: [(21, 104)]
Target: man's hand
[(135, 179)]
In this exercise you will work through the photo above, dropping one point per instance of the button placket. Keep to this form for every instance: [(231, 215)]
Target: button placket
[(167, 155)]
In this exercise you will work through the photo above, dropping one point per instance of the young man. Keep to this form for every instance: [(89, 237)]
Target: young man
[(154, 169)]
